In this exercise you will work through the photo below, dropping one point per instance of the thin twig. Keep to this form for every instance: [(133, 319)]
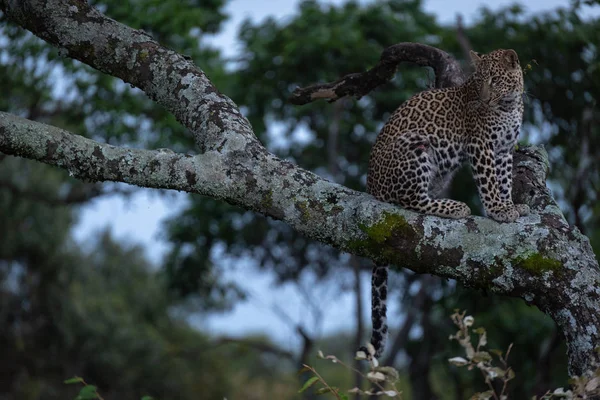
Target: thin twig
[(314, 371)]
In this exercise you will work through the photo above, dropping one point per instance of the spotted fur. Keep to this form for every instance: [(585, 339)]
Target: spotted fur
[(432, 134)]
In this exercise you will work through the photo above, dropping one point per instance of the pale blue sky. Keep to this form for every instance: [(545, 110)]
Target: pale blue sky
[(139, 218)]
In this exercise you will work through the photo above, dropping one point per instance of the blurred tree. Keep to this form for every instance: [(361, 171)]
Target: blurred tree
[(101, 313), (104, 313)]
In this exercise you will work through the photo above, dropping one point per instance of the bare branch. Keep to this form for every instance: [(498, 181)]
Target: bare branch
[(83, 33), (447, 73)]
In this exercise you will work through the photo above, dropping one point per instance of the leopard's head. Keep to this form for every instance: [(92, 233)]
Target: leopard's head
[(498, 74)]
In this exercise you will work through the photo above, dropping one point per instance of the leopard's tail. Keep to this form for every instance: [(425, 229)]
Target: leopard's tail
[(378, 309)]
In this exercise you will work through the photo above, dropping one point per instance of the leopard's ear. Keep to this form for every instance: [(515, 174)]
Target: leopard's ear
[(510, 59), (475, 57)]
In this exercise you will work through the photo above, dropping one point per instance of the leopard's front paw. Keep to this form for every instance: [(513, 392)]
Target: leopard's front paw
[(504, 214), (522, 209)]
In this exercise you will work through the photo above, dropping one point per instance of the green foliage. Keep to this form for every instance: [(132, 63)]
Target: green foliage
[(90, 391), (478, 357), (583, 387), (540, 361), (109, 317), (103, 312), (493, 365), (379, 376), (308, 383), (84, 100), (41, 85)]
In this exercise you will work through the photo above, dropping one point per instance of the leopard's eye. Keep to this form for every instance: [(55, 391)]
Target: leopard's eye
[(494, 80)]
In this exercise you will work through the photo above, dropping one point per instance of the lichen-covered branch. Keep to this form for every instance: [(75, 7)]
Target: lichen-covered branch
[(446, 68), (539, 258), (83, 33)]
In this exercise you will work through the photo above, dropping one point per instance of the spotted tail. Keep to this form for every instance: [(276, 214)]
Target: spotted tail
[(378, 309)]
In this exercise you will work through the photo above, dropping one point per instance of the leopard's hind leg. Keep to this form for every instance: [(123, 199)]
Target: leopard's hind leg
[(408, 181)]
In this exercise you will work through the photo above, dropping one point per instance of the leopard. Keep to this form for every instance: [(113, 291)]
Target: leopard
[(432, 134)]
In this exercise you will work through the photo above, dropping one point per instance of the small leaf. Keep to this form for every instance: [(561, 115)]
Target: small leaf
[(482, 339), (511, 374), (481, 356), (308, 384), (320, 354), (390, 372), (495, 372), (376, 377), (343, 396), (304, 369), (496, 352), (458, 361), (483, 396), (466, 343), (468, 320), (360, 355), (73, 380), (87, 393), (324, 390), (147, 398)]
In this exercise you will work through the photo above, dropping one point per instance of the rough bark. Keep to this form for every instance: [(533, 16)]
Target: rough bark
[(539, 258)]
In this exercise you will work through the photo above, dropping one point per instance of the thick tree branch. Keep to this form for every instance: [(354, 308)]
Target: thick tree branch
[(83, 33), (539, 258), (447, 73)]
